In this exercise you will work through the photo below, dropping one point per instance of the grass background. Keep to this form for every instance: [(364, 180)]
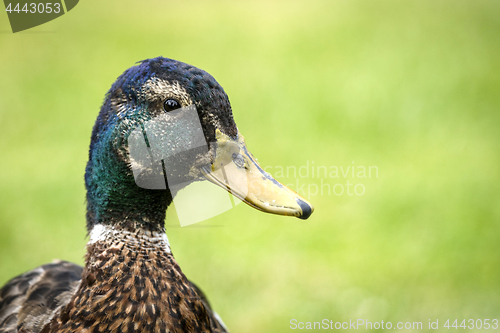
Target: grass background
[(410, 87)]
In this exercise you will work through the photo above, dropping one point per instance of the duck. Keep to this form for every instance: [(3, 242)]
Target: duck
[(163, 125)]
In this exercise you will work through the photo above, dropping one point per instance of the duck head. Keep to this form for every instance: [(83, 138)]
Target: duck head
[(163, 125)]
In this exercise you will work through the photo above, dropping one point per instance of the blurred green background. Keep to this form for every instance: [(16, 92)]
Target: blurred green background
[(410, 87)]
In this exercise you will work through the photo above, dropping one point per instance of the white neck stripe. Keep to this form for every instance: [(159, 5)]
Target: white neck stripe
[(109, 234)]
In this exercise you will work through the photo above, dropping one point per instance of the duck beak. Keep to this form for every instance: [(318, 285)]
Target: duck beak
[(236, 170)]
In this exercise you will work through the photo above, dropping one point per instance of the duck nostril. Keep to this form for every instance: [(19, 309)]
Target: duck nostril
[(238, 160)]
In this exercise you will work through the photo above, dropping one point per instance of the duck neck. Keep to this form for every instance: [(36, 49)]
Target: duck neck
[(116, 236), (131, 283), (128, 212), (117, 253), (118, 202), (113, 197)]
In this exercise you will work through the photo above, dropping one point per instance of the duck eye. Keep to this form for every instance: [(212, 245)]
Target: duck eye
[(171, 104)]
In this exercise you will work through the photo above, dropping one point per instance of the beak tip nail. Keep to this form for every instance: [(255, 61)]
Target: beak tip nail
[(306, 209)]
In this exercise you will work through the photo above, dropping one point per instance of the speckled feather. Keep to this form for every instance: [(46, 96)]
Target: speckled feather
[(30, 300), (134, 287), (131, 281)]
